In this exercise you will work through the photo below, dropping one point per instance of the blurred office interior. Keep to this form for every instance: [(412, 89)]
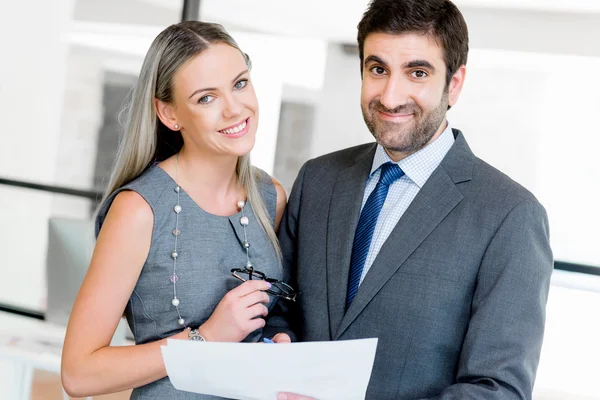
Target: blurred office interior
[(529, 107)]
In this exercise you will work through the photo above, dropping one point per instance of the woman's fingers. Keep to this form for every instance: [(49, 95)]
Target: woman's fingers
[(248, 287), (257, 310), (254, 298)]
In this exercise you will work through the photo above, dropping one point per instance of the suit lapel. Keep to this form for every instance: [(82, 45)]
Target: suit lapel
[(344, 212), (433, 203)]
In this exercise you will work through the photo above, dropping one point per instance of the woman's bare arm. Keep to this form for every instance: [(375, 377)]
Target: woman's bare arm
[(89, 365)]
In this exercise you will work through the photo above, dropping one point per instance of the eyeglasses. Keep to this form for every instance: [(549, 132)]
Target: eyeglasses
[(278, 288)]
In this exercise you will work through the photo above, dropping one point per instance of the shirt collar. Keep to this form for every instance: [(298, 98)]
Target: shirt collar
[(420, 165)]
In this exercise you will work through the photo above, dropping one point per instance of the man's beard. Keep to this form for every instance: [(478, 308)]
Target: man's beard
[(413, 135)]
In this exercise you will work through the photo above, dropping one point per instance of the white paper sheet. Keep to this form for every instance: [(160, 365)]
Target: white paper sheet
[(252, 371)]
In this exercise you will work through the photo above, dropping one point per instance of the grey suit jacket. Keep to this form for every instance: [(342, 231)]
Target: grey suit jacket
[(457, 293)]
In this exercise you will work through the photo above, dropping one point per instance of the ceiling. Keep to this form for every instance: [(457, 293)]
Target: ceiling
[(542, 26), (336, 20)]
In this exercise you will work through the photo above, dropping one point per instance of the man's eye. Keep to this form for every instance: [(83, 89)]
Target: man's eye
[(378, 70), (419, 74), (241, 84)]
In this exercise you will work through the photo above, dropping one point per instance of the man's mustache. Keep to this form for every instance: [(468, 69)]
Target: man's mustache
[(410, 108)]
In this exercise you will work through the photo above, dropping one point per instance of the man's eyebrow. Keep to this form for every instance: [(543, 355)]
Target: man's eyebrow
[(376, 60), (419, 63), (407, 65)]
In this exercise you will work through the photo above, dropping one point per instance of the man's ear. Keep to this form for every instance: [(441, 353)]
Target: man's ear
[(456, 84), (166, 114)]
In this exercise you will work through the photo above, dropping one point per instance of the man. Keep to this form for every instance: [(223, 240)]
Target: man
[(414, 240)]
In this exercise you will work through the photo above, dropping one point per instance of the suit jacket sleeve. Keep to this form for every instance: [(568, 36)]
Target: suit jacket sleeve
[(501, 349), (284, 316)]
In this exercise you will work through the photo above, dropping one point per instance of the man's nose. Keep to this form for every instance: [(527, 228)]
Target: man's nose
[(395, 94)]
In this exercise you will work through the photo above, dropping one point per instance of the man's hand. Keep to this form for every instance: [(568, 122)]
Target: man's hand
[(282, 338), (291, 396)]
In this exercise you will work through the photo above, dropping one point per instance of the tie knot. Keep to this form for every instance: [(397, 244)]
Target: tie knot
[(390, 172)]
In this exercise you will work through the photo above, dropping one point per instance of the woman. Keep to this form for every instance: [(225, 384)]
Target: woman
[(183, 208)]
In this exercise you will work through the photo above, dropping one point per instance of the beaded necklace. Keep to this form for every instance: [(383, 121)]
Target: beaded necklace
[(174, 278)]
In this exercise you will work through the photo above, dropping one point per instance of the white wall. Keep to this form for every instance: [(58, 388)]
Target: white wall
[(31, 96), (534, 116), (33, 71), (339, 122), (568, 368)]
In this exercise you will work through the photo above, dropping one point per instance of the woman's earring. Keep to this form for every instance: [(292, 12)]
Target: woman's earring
[(176, 127)]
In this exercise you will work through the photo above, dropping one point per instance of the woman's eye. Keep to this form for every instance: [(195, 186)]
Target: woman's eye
[(241, 84), (205, 99), (378, 70), (419, 73)]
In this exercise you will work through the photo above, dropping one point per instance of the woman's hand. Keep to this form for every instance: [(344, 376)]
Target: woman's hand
[(238, 313)]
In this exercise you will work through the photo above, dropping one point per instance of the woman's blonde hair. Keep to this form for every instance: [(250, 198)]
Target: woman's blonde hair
[(147, 140)]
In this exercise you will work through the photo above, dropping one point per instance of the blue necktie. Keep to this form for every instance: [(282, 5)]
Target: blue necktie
[(390, 172)]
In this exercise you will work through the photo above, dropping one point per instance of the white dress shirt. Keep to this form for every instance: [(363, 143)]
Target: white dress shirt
[(417, 168)]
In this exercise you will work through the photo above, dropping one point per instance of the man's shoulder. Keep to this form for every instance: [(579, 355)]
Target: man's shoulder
[(486, 181), (341, 158), (495, 183)]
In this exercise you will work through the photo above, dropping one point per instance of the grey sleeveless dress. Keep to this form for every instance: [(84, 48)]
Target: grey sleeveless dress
[(209, 246)]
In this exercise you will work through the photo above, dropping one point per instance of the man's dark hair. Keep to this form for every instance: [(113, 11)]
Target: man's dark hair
[(440, 19)]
